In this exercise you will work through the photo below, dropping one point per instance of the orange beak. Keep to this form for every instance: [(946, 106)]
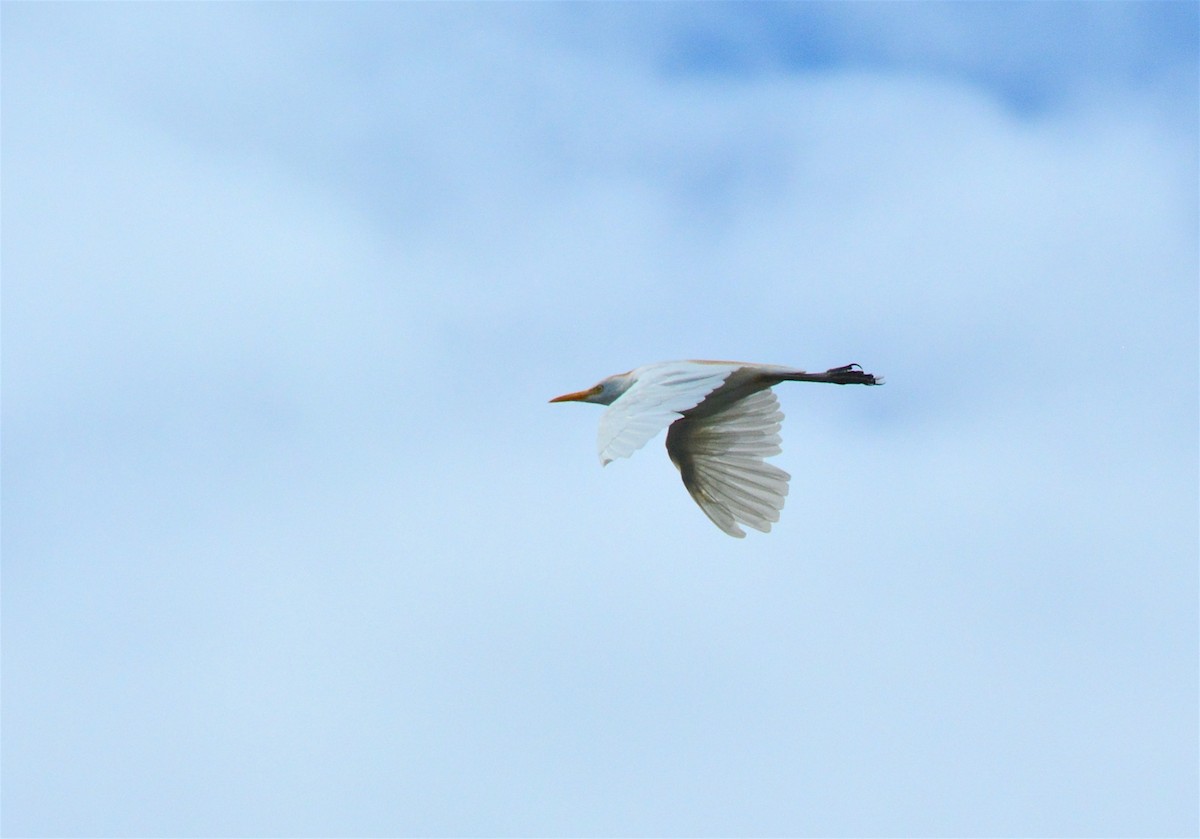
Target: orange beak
[(578, 396)]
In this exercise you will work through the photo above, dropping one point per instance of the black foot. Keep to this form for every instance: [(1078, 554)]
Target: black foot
[(851, 374)]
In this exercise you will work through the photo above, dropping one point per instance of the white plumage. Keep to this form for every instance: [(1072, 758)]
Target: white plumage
[(723, 422)]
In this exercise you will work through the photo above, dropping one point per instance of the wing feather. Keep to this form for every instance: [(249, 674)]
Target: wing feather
[(658, 397), (720, 458)]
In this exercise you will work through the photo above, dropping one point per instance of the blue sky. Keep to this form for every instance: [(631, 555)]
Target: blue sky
[(293, 544)]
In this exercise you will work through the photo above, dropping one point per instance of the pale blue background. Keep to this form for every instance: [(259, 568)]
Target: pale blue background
[(293, 544)]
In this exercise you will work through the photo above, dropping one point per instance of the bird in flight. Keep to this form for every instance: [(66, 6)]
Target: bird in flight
[(724, 420)]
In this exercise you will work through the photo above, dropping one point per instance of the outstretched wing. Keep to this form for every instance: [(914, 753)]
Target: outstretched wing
[(720, 458), (659, 396)]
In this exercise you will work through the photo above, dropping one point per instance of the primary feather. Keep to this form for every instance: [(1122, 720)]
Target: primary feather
[(720, 459)]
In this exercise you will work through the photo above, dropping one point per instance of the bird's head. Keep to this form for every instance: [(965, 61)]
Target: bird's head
[(603, 393)]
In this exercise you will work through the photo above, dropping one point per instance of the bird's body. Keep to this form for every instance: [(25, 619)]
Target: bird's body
[(723, 421)]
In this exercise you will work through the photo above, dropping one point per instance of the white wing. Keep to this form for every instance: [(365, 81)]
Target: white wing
[(659, 396), (720, 458)]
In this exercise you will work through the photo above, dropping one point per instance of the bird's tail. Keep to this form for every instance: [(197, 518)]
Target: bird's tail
[(851, 374)]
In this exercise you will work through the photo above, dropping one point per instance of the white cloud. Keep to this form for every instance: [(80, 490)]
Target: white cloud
[(285, 293)]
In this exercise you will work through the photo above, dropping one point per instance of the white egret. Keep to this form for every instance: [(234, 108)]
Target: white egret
[(724, 420)]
